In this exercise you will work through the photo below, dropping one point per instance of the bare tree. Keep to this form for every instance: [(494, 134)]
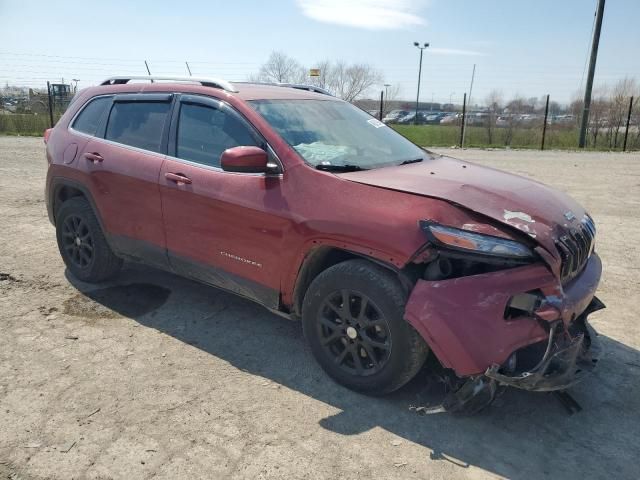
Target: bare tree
[(618, 108), (494, 106), (598, 112), (515, 109), (347, 81), (391, 96), (355, 80), (280, 68)]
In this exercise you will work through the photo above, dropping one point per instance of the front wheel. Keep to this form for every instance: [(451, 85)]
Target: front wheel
[(352, 317)]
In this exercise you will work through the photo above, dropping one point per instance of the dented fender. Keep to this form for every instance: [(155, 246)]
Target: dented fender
[(463, 319)]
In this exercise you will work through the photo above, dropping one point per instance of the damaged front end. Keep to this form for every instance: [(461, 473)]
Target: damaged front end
[(562, 361), (569, 355), (512, 324)]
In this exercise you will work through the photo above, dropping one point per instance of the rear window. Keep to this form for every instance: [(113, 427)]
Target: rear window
[(138, 124), (89, 118)]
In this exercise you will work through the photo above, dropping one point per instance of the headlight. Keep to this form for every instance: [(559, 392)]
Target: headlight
[(464, 240)]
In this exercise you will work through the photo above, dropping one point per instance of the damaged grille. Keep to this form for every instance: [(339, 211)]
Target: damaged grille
[(575, 246)]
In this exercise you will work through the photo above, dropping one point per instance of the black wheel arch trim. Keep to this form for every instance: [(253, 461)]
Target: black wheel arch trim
[(316, 255), (57, 183)]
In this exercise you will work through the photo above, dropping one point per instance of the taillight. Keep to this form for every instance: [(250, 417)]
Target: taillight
[(47, 134)]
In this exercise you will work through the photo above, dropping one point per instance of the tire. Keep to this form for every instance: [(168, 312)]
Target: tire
[(373, 349), (81, 243)]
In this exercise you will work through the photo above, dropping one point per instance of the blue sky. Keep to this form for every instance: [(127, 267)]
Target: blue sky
[(526, 47)]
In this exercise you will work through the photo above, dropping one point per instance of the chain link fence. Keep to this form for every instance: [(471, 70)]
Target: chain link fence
[(486, 128), (436, 125)]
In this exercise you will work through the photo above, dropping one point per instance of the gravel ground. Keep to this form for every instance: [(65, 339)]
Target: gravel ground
[(156, 376)]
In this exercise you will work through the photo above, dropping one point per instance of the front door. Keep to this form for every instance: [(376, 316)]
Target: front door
[(223, 228)]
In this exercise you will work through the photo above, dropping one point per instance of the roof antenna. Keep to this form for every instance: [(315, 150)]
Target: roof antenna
[(148, 71), (188, 69)]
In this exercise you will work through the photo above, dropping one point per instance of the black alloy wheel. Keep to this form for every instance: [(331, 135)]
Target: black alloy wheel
[(77, 241), (82, 243), (353, 320), (354, 332)]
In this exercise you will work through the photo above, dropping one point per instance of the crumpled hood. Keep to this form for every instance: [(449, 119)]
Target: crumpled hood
[(527, 205)]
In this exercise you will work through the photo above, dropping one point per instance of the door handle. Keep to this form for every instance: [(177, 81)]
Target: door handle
[(93, 157), (177, 177)]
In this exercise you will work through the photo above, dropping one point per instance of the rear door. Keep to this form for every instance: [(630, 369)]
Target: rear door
[(123, 162), (222, 228)]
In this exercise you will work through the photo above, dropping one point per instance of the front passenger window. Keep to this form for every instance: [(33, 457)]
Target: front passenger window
[(205, 132)]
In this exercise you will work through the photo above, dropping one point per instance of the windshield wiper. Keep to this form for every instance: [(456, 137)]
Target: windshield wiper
[(415, 160), (339, 168)]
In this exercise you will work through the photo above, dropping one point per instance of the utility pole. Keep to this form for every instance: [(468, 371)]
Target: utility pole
[(626, 130), (592, 70), (544, 125), (464, 111), (50, 105), (417, 45)]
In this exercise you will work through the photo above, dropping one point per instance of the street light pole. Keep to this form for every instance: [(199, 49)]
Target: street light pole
[(421, 48)]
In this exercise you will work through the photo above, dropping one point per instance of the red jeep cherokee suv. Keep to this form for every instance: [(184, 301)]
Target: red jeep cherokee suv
[(313, 208)]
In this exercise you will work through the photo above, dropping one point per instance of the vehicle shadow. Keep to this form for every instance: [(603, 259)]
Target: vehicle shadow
[(522, 435)]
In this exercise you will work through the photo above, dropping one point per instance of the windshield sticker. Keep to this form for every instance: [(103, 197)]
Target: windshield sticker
[(375, 122)]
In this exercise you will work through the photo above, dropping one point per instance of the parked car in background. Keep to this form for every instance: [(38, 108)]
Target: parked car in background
[(476, 119), (433, 118), (394, 116), (451, 119), (410, 119), (305, 204), (503, 121), (565, 120)]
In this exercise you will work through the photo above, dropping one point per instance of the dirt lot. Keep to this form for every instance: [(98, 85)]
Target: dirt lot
[(156, 376)]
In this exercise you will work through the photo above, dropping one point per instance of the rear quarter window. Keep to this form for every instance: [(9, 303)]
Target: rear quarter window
[(89, 118), (138, 124)]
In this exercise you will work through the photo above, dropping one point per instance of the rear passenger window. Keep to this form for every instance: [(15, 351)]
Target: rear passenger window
[(138, 124), (205, 132), (89, 118)]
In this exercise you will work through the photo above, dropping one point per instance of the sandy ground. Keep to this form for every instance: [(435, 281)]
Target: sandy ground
[(156, 376)]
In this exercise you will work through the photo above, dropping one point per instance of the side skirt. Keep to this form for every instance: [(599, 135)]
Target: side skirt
[(154, 256)]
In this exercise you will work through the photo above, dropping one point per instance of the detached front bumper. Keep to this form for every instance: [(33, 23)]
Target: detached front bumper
[(463, 321), (566, 360)]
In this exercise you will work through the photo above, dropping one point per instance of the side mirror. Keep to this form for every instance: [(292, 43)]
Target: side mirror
[(246, 160)]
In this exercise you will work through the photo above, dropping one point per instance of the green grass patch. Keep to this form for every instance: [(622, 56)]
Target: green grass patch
[(556, 138), (23, 124)]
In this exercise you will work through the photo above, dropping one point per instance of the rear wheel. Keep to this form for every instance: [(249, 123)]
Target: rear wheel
[(353, 320), (82, 244)]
